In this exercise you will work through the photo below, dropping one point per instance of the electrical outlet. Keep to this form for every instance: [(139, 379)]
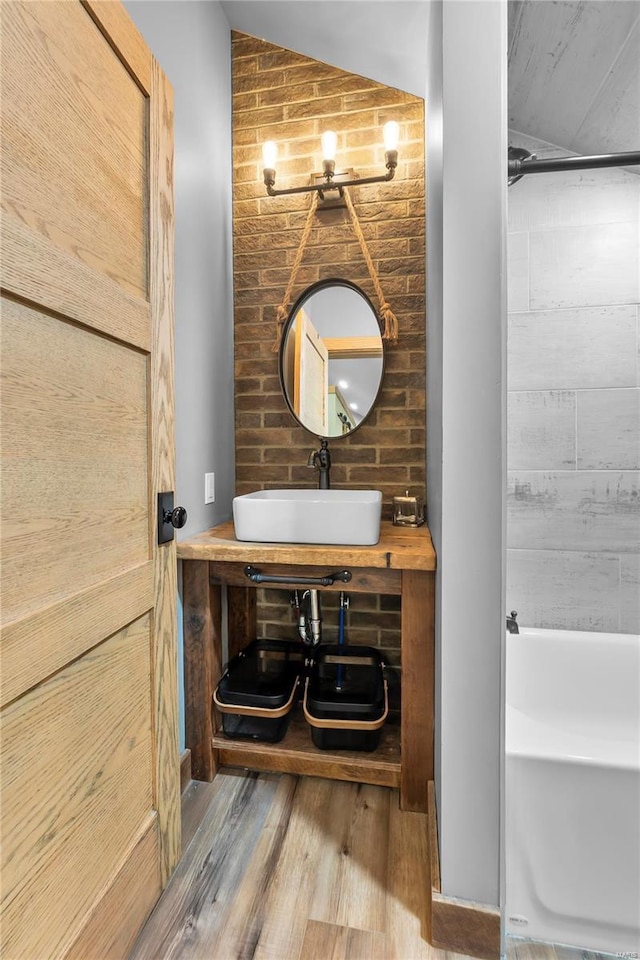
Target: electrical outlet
[(209, 487)]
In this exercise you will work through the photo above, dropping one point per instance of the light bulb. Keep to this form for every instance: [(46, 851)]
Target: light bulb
[(329, 145), (391, 134), (269, 154)]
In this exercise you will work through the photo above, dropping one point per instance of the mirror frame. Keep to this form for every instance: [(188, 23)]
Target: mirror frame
[(304, 296)]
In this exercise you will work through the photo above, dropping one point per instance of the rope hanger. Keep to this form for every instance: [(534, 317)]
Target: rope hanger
[(388, 318)]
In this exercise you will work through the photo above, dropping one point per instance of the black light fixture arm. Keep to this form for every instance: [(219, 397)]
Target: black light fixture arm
[(391, 162)]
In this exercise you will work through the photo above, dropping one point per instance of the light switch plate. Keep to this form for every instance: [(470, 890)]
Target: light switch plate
[(209, 487)]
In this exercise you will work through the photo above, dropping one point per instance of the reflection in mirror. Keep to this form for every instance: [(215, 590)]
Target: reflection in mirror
[(331, 358)]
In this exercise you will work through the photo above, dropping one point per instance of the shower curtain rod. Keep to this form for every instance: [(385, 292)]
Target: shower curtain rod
[(519, 166)]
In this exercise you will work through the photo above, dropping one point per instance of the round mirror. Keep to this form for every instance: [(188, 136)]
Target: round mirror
[(331, 358)]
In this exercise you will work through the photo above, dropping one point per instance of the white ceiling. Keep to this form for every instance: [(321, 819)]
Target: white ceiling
[(384, 40), (574, 73), (574, 65)]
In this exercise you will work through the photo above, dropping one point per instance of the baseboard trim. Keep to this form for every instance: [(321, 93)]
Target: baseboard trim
[(460, 926), (185, 770)]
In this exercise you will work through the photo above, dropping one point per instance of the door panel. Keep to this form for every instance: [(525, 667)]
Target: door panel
[(37, 646), (76, 125), (77, 788), (89, 756), (75, 489)]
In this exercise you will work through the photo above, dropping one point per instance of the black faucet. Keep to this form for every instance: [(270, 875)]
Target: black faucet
[(321, 459), (512, 623)]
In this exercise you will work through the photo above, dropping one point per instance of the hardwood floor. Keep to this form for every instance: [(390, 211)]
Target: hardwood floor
[(278, 867)]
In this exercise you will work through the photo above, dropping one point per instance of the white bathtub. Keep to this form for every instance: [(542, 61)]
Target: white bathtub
[(573, 789)]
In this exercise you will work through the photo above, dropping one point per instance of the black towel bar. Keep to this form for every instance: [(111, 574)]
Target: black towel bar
[(254, 574)]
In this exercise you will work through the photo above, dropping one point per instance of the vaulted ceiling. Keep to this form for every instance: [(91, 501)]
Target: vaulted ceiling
[(574, 73)]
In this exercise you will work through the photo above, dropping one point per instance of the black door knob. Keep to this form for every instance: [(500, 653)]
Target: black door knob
[(176, 517)]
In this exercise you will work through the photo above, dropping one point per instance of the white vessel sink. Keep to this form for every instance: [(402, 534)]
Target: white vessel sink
[(309, 516)]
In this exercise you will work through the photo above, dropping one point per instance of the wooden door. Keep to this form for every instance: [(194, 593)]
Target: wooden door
[(90, 766), (311, 377)]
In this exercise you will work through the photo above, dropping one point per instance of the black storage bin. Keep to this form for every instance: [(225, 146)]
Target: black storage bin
[(259, 689), (346, 700)]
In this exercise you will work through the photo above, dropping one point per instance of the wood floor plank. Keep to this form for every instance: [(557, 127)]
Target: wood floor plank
[(325, 905), (196, 801), (362, 902), (241, 931), (201, 892), (356, 861), (293, 886), (366, 945), (330, 941), (324, 941)]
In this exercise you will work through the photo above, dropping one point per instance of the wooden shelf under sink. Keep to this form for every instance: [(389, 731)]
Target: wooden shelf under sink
[(296, 753), (402, 563)]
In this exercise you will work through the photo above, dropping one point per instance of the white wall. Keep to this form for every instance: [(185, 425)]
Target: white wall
[(381, 40), (434, 196), (192, 43), (466, 489)]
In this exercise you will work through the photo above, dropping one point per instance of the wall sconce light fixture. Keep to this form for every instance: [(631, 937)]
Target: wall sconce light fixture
[(329, 179)]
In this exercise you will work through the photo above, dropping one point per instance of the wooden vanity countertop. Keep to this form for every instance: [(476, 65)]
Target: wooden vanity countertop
[(399, 548)]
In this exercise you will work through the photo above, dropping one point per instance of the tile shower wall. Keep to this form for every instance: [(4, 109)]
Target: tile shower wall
[(573, 558), (287, 97)]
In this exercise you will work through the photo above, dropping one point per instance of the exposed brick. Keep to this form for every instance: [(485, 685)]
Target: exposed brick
[(247, 385), (286, 93), (284, 419), (245, 455), (251, 421), (275, 57), (389, 602), (257, 81), (249, 190), (307, 69), (285, 96), (280, 277), (273, 402), (246, 208), (382, 97), (244, 101), (249, 350), (249, 279), (251, 368), (272, 436), (401, 455), (257, 474), (256, 242)]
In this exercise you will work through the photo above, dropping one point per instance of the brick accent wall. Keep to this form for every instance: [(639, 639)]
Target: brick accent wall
[(283, 96)]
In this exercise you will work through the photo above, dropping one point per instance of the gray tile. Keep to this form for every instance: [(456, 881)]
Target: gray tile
[(638, 346), (564, 590), (581, 348), (518, 272), (541, 430), (630, 593), (576, 198), (609, 429), (584, 266), (579, 510)]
